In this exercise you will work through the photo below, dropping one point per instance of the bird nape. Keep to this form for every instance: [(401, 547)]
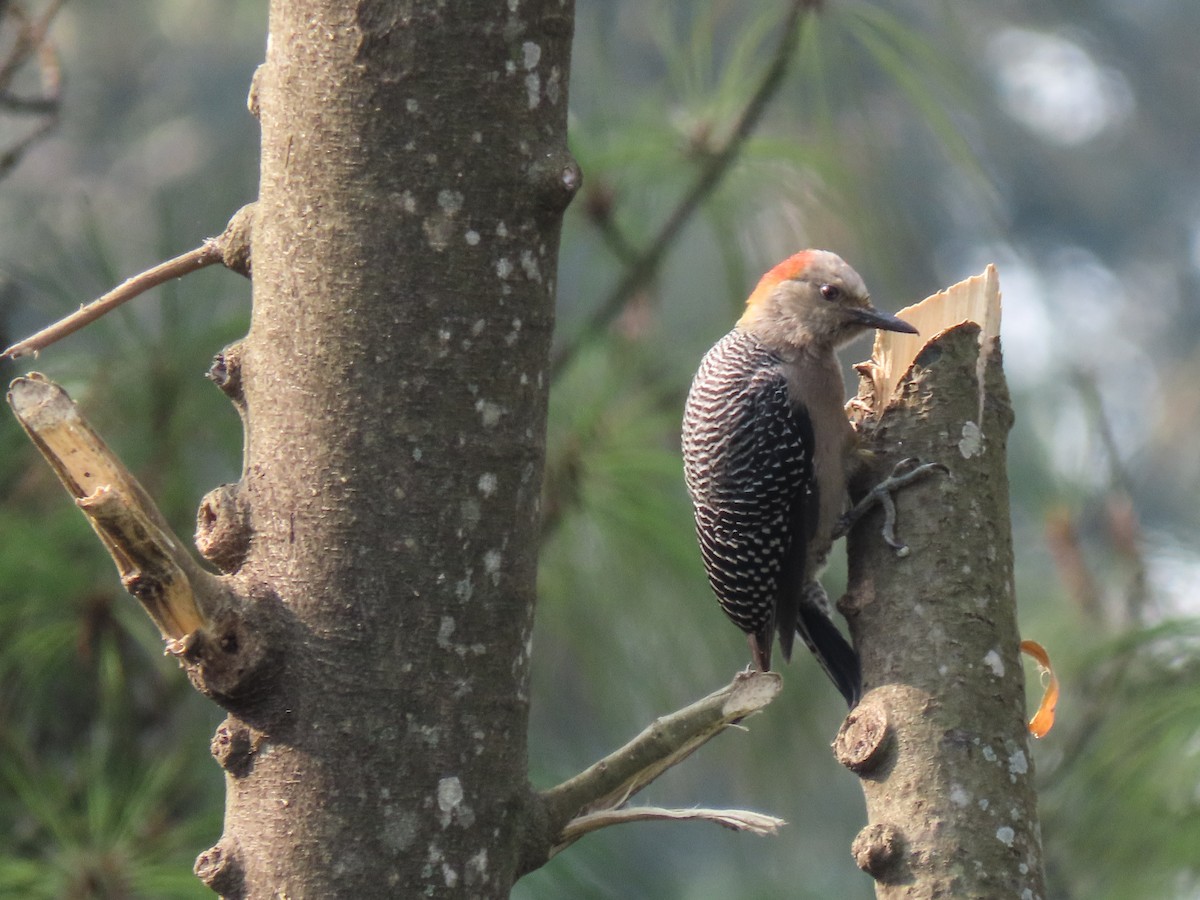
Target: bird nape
[(767, 447)]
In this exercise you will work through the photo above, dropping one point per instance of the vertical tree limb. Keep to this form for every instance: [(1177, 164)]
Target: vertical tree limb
[(394, 383), (940, 740)]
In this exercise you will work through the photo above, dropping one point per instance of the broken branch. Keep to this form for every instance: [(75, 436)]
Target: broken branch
[(591, 799), (170, 585)]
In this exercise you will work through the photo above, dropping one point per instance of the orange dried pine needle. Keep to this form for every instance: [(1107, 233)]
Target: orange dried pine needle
[(1043, 719)]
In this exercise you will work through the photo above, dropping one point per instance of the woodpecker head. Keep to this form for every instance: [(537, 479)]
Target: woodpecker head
[(813, 299)]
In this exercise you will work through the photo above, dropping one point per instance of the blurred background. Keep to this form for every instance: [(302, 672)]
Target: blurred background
[(918, 140)]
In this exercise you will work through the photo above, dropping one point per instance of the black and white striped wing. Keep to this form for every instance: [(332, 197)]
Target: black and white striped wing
[(748, 464)]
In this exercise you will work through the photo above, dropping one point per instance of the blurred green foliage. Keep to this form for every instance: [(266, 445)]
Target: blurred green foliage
[(918, 140)]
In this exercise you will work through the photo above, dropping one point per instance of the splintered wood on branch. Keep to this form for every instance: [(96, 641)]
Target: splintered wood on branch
[(939, 740), (152, 563), (596, 797), (977, 299)]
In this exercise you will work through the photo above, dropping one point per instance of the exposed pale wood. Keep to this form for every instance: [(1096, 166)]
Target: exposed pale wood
[(736, 819), (976, 299), (152, 564)]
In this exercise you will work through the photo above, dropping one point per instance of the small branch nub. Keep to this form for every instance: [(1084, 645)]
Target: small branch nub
[(863, 741), (220, 869), (878, 850), (223, 528)]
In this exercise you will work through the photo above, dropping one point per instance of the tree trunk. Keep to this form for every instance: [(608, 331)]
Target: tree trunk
[(939, 739), (414, 172)]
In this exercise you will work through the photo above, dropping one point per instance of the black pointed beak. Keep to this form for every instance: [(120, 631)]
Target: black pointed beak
[(873, 318)]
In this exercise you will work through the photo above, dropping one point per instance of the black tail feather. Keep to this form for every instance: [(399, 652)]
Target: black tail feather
[(832, 651)]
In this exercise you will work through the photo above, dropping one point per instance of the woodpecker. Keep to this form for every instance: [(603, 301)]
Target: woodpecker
[(767, 447)]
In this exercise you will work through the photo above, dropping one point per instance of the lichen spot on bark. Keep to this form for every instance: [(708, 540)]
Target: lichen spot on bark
[(993, 661), (532, 54), (492, 561), (489, 412), (477, 867), (971, 442), (529, 266), (1018, 764), (959, 796), (451, 807)]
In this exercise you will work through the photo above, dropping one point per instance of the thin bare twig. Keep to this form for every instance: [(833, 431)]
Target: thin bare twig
[(45, 106), (598, 206), (204, 255), (30, 38), (230, 248), (643, 268), (14, 153), (593, 798), (737, 819), (1066, 549), (1123, 521), (50, 70)]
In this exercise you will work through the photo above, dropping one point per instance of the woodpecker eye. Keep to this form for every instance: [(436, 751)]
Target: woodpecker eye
[(831, 291)]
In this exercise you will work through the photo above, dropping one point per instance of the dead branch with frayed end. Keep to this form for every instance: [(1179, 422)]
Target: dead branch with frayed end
[(593, 798), (151, 561), (735, 819), (224, 645), (144, 557), (231, 249)]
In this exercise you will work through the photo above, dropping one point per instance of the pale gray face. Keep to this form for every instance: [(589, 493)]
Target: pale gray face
[(827, 302)]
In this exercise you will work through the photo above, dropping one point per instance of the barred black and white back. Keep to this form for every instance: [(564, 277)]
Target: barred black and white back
[(747, 453)]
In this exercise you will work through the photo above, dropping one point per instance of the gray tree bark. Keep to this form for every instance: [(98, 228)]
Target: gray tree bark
[(940, 740), (393, 384)]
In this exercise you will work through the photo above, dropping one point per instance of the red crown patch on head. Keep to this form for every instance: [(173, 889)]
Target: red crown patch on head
[(789, 268)]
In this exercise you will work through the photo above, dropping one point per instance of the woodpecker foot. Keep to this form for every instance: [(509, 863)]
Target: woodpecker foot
[(760, 657), (905, 473)]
